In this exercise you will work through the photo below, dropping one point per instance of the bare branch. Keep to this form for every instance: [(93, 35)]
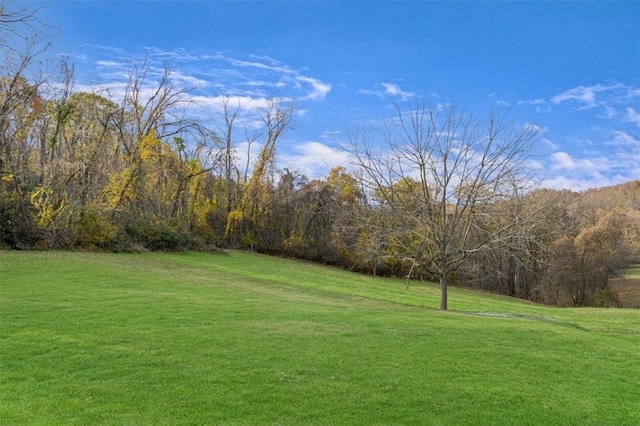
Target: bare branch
[(443, 173)]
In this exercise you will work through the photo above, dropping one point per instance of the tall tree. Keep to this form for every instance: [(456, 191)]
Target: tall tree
[(230, 115), (443, 174), (21, 108), (253, 209)]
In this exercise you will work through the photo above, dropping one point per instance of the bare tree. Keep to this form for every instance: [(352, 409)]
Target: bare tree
[(230, 116), (150, 110), (19, 25), (444, 175), (20, 83), (252, 208)]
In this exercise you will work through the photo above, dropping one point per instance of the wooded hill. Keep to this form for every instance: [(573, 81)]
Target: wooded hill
[(449, 199)]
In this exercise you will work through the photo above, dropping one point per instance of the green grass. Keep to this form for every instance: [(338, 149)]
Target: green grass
[(246, 339)]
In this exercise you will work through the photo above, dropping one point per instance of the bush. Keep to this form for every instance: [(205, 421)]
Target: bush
[(95, 231), (18, 229), (159, 235), (605, 298)]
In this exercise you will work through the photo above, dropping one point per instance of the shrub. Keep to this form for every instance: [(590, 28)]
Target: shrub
[(605, 298), (95, 230), (160, 235)]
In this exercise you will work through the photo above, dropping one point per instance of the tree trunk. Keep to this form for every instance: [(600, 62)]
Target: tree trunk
[(511, 276), (443, 292)]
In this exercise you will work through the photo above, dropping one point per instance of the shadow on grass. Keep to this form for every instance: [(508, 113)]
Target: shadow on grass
[(538, 318)]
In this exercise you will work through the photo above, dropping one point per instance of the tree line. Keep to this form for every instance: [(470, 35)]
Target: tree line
[(433, 193)]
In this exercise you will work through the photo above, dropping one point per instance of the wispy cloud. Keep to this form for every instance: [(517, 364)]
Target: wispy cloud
[(607, 98), (210, 74), (621, 138), (394, 90), (267, 64), (604, 95), (319, 90), (388, 90), (189, 81), (633, 116), (209, 79), (552, 145), (582, 95), (602, 147), (284, 77), (538, 129), (538, 104), (327, 134)]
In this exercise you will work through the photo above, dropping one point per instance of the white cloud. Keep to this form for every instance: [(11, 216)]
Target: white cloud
[(327, 134), (313, 159), (539, 104), (248, 83), (534, 102), (261, 83), (535, 128), (210, 110), (108, 63), (274, 66), (610, 112), (388, 89), (394, 90), (623, 139), (591, 171), (551, 144), (241, 102), (318, 89), (286, 77), (211, 75), (582, 183), (573, 184), (606, 96), (563, 161), (582, 94), (189, 80), (534, 165), (633, 116)]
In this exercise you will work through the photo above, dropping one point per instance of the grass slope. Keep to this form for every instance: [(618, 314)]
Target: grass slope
[(246, 339)]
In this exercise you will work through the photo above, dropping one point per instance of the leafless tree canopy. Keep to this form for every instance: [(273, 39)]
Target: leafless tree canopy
[(445, 176)]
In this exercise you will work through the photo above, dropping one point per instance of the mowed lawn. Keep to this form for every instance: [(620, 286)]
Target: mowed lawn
[(244, 339)]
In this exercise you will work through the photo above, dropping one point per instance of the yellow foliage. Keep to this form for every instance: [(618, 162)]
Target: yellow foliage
[(150, 146), (296, 239), (200, 214), (48, 210), (234, 218), (344, 184), (119, 187)]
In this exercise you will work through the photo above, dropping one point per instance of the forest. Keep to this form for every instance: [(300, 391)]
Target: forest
[(431, 194)]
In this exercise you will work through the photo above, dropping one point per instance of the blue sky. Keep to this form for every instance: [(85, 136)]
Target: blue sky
[(571, 68)]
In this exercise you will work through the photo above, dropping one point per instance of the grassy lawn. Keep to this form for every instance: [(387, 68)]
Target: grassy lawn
[(246, 339)]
